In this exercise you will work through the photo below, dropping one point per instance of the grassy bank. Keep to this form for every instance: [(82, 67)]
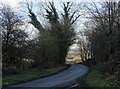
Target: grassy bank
[(30, 75), (96, 79)]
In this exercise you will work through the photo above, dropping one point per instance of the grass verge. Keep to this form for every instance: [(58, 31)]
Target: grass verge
[(30, 75), (96, 79)]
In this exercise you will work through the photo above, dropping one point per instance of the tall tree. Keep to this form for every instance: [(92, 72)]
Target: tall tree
[(61, 29)]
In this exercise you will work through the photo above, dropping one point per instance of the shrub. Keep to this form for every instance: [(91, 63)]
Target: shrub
[(10, 71)]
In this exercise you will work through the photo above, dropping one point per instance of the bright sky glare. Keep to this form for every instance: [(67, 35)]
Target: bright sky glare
[(14, 3)]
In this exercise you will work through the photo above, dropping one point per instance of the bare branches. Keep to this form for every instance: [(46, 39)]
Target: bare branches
[(34, 20), (75, 19), (105, 34), (68, 14)]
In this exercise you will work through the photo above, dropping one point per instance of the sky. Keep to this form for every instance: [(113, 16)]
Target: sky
[(15, 3), (16, 6)]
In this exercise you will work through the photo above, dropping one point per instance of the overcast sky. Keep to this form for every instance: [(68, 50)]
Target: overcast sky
[(16, 6)]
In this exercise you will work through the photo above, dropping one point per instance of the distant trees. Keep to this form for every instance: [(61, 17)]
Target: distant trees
[(13, 36), (84, 49)]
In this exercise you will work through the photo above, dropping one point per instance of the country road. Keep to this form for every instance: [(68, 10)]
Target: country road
[(62, 79)]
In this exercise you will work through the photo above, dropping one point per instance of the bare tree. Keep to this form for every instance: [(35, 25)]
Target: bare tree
[(104, 37), (13, 35)]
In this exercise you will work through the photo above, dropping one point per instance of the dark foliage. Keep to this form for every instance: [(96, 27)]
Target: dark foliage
[(105, 37), (13, 37)]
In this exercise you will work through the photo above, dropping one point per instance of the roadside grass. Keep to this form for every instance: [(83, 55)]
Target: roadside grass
[(96, 79), (29, 75)]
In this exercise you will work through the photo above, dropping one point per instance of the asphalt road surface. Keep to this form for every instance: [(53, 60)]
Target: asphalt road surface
[(65, 78)]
